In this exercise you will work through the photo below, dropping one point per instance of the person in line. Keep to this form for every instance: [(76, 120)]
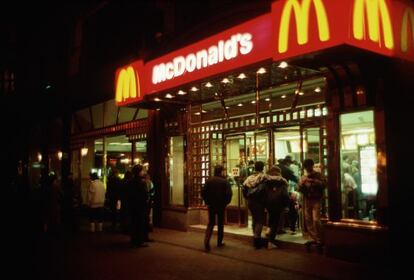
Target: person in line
[(113, 196), (276, 200), (312, 186), (150, 202), (253, 191), (294, 207), (96, 200), (217, 195), (288, 173), (137, 204)]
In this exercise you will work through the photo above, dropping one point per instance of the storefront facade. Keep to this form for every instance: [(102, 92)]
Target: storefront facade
[(296, 81)]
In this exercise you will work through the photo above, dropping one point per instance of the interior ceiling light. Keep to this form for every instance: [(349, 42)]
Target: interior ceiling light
[(301, 93), (203, 111), (296, 91), (157, 99), (197, 113), (267, 99), (227, 107), (261, 71), (225, 81), (169, 96), (283, 96), (240, 105), (317, 89), (194, 89), (253, 102), (157, 109), (283, 65), (242, 76), (209, 85), (180, 92)]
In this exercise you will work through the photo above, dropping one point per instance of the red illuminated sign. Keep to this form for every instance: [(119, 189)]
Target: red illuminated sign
[(293, 28)]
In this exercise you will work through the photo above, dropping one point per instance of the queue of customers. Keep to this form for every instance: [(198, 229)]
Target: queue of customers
[(269, 192)]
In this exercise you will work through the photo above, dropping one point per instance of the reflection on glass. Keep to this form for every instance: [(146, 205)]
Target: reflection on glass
[(176, 170), (358, 166)]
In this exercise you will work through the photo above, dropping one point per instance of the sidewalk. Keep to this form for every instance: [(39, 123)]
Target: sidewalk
[(289, 260)]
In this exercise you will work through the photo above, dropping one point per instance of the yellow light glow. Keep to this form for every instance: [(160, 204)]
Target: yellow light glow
[(169, 96), (209, 85), (180, 92), (408, 16), (156, 99), (225, 81), (84, 151), (301, 11), (60, 154), (127, 85), (283, 65), (376, 11), (194, 89), (242, 76), (261, 70), (39, 157)]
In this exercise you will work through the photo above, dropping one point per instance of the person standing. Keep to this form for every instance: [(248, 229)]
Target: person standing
[(276, 200), (217, 194), (137, 200), (253, 191), (113, 196), (312, 186), (96, 200)]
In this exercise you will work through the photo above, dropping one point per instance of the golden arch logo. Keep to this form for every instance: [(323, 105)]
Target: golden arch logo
[(376, 11), (127, 85), (407, 17), (301, 11)]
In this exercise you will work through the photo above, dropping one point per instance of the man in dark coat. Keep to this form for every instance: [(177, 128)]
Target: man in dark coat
[(113, 194), (277, 199), (217, 194), (137, 200)]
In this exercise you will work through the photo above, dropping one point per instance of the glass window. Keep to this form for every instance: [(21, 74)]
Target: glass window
[(176, 170), (359, 183)]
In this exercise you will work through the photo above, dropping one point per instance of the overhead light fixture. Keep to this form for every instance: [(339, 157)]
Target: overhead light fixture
[(180, 92), (283, 96), (242, 76), (60, 154), (240, 105), (225, 81), (209, 85), (297, 91), (157, 109), (84, 151), (168, 95), (301, 93), (253, 102), (317, 89), (156, 99), (203, 111), (261, 70), (197, 113), (227, 107), (267, 99), (194, 89), (39, 157), (283, 65)]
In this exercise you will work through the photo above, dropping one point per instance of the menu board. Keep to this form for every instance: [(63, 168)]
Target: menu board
[(368, 165)]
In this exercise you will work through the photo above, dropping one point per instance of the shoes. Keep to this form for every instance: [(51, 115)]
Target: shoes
[(207, 247), (222, 244), (273, 245)]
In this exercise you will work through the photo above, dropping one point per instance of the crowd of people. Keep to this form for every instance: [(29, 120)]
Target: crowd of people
[(279, 192)]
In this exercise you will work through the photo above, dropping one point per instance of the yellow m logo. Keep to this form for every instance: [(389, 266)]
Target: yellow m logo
[(127, 85), (301, 11), (408, 15), (377, 11)]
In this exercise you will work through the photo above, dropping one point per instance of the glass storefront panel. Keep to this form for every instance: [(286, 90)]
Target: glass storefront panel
[(140, 156), (176, 170), (359, 184), (237, 168)]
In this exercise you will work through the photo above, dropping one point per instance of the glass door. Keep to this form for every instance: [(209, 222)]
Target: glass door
[(237, 171)]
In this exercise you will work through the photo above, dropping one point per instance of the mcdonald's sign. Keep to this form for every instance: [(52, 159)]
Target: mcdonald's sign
[(407, 21), (301, 11), (128, 85), (378, 15), (293, 28)]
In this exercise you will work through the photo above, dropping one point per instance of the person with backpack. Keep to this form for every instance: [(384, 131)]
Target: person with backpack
[(253, 192)]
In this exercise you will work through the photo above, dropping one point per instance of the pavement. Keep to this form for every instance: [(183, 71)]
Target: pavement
[(179, 255)]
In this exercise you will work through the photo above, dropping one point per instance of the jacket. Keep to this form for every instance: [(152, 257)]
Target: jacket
[(217, 192)]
